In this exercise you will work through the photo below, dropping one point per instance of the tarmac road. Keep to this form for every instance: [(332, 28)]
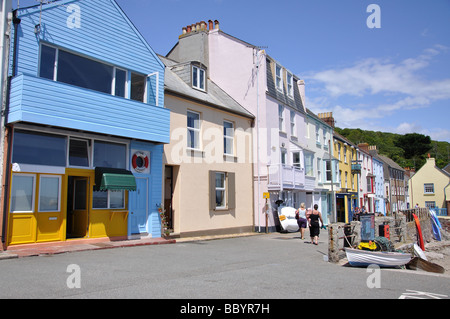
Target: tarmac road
[(266, 266)]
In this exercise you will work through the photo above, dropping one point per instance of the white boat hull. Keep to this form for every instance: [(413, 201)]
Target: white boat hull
[(364, 258), (287, 219)]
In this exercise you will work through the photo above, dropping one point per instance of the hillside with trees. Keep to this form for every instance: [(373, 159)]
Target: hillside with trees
[(409, 150)]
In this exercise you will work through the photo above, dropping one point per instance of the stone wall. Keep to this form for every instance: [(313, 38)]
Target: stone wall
[(402, 230)]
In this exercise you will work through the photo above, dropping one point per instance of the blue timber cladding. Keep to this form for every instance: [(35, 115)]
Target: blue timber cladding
[(106, 35), (43, 101)]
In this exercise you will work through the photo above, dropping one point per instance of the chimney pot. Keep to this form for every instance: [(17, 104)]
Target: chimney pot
[(203, 25), (216, 24), (188, 29), (184, 30), (211, 24)]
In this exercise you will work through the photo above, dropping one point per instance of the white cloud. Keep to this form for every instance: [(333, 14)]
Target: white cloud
[(436, 134), (373, 76), (375, 94)]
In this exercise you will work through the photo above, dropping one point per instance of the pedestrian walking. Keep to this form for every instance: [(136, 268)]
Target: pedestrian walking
[(314, 226), (301, 220)]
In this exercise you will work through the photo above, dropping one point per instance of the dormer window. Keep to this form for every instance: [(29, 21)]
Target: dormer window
[(290, 84), (279, 79), (198, 78)]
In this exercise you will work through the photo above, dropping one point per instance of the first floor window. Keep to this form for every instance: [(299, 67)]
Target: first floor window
[(346, 179), (193, 130), (63, 66), (328, 170), (281, 118), (82, 72), (309, 168), (120, 83), (319, 170), (429, 188), (22, 193), (138, 84), (222, 190), (110, 154), (293, 130), (228, 137), (296, 160)]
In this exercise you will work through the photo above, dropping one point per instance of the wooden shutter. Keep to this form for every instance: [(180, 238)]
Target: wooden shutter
[(231, 191), (212, 190)]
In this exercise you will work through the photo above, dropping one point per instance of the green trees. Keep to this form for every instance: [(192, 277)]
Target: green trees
[(409, 150)]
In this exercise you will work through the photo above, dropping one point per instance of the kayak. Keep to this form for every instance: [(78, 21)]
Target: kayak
[(419, 231), (436, 225)]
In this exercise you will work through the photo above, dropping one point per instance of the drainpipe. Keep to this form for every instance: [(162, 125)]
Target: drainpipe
[(257, 142), (8, 134)]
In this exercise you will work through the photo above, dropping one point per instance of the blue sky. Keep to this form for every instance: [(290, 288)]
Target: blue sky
[(394, 79)]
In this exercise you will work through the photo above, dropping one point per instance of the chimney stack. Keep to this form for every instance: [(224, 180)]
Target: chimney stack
[(200, 26), (364, 147), (327, 117)]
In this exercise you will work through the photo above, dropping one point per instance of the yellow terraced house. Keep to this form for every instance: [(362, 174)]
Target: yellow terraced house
[(347, 196)]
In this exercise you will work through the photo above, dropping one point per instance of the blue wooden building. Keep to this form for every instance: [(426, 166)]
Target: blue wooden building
[(86, 125)]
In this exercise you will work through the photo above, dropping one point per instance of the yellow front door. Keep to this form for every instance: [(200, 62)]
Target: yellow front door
[(50, 208), (36, 208)]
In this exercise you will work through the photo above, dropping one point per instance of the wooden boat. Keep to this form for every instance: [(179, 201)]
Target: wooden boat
[(364, 258), (419, 263)]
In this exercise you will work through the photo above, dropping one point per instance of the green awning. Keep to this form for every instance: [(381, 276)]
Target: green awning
[(114, 179)]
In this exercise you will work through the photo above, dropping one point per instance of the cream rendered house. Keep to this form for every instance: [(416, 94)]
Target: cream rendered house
[(428, 186), (208, 183)]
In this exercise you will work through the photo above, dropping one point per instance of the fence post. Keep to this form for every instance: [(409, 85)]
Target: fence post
[(333, 244)]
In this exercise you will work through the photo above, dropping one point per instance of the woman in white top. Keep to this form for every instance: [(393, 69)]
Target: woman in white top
[(301, 220)]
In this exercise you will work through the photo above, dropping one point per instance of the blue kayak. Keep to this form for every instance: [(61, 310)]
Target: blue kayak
[(436, 225)]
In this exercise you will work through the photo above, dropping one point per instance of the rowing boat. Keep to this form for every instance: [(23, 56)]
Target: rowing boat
[(364, 258)]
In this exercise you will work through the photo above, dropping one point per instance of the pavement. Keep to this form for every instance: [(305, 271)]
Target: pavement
[(77, 245)]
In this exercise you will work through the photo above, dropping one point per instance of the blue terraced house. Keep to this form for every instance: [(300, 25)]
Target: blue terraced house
[(86, 126)]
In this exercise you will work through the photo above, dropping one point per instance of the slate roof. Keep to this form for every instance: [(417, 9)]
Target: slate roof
[(177, 80), (283, 97), (447, 168), (390, 162)]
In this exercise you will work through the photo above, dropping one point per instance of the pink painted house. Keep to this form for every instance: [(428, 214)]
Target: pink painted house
[(275, 96)]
